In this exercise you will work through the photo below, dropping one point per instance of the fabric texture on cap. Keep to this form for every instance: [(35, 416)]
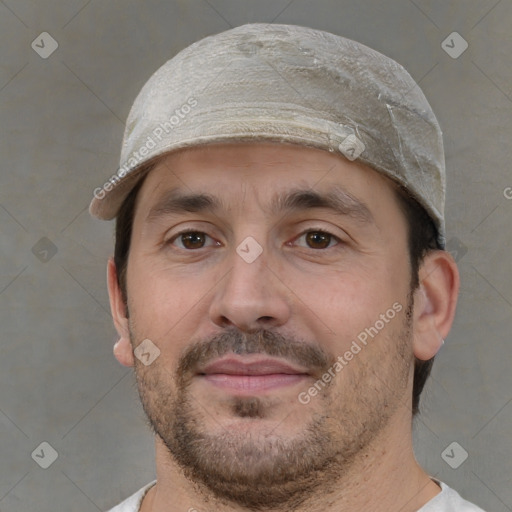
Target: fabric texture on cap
[(287, 84)]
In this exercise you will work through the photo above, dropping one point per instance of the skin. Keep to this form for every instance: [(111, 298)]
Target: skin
[(304, 299)]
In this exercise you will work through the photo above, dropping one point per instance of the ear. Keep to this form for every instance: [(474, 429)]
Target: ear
[(122, 349), (435, 302)]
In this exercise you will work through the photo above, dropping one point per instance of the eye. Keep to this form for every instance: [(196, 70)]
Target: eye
[(318, 238), (190, 239)]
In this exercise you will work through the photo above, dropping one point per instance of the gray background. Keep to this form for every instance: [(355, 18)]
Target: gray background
[(61, 126)]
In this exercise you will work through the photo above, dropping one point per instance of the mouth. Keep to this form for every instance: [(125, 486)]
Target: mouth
[(251, 374)]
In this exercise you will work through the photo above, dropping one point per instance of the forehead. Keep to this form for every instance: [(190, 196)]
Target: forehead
[(260, 172)]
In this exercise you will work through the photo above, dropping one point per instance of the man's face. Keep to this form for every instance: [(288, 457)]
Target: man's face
[(245, 338)]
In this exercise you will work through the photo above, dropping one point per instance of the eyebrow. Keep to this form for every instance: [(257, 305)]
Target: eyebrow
[(337, 200)]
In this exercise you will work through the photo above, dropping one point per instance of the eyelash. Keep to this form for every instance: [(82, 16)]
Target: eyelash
[(309, 230)]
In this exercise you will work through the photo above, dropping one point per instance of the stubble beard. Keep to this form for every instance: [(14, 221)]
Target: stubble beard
[(261, 470)]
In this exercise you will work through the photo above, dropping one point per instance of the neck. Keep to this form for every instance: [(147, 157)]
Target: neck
[(385, 477)]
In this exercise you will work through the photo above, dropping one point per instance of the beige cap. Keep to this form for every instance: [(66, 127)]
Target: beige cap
[(289, 84)]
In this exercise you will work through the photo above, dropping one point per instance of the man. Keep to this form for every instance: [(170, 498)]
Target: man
[(279, 281)]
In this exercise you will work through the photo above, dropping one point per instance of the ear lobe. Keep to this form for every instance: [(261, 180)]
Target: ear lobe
[(122, 349), (123, 352), (435, 302)]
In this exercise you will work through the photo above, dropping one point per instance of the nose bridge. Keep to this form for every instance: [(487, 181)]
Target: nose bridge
[(250, 296)]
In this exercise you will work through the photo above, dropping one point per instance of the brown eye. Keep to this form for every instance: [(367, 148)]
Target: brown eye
[(193, 240), (190, 240), (317, 239)]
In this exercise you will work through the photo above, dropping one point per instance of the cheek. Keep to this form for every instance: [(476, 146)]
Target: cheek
[(338, 306), (163, 306)]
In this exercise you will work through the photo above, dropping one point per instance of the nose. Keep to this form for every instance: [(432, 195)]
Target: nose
[(251, 296)]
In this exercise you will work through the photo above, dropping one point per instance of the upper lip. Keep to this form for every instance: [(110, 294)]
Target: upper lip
[(232, 365)]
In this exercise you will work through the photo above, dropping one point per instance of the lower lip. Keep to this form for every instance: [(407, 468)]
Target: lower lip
[(252, 383)]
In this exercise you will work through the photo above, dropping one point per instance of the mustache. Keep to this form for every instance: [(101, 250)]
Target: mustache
[(262, 342)]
